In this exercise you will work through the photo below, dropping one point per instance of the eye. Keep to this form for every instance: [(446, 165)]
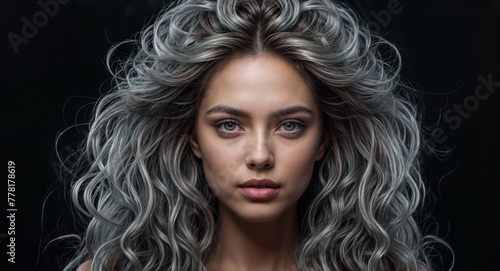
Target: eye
[(292, 128), (227, 127)]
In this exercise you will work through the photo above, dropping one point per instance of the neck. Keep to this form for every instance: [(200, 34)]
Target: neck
[(242, 245)]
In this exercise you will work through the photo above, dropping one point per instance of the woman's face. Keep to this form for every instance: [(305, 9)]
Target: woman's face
[(258, 134)]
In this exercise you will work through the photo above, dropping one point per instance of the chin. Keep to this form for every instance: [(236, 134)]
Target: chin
[(260, 214), (260, 218)]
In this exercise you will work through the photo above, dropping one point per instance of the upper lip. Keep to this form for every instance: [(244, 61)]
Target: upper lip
[(259, 183)]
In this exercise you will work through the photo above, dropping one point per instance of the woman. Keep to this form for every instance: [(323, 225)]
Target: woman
[(254, 135)]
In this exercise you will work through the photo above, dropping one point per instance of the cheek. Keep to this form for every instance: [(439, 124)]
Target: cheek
[(299, 168), (301, 158), (218, 168), (217, 180), (300, 165)]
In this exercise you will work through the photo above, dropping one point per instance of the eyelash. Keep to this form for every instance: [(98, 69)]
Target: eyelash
[(298, 124), (218, 126), (296, 132)]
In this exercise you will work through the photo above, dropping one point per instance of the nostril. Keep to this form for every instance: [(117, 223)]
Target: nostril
[(261, 166), (260, 155)]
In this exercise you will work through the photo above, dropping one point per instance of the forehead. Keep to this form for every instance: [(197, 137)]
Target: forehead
[(258, 83)]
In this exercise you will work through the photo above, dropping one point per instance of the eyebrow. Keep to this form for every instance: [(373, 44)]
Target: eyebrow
[(221, 108)]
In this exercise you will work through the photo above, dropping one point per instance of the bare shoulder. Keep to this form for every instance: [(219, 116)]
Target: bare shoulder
[(85, 266)]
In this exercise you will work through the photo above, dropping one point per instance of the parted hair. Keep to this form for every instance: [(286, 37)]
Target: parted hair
[(144, 193)]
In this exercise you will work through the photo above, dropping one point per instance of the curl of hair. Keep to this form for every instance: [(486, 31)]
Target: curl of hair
[(144, 190)]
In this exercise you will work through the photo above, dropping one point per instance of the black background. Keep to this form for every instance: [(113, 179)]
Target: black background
[(51, 82)]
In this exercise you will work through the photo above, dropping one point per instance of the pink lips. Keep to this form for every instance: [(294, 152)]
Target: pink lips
[(259, 189)]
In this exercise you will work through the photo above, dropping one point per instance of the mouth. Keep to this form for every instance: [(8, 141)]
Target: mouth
[(259, 183), (259, 189)]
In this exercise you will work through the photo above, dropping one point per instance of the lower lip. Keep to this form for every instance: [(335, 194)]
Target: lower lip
[(259, 193)]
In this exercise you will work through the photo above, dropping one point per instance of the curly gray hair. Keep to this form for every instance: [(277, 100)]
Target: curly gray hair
[(144, 190)]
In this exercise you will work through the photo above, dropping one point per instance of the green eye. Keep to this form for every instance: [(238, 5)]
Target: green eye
[(229, 126), (289, 126)]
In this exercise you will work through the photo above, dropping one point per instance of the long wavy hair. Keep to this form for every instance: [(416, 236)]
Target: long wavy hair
[(144, 191)]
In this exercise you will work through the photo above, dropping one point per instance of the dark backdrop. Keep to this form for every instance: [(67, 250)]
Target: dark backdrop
[(52, 71)]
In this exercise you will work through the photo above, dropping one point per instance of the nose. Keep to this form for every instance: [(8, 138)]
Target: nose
[(260, 153)]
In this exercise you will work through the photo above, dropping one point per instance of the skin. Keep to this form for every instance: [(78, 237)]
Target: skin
[(85, 266), (265, 142), (257, 119)]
